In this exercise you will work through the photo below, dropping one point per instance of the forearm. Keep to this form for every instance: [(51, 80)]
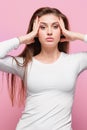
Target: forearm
[(8, 45)]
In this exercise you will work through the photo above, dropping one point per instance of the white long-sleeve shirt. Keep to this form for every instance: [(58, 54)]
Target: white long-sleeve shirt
[(50, 88), (7, 63)]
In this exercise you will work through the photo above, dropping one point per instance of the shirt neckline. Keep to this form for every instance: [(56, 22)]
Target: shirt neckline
[(39, 62)]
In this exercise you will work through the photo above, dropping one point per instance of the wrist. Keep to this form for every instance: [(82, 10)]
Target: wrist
[(26, 39), (21, 39)]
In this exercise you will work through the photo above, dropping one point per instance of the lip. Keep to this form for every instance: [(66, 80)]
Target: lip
[(49, 39)]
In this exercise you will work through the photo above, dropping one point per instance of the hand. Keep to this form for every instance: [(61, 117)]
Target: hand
[(35, 26), (68, 35), (29, 38)]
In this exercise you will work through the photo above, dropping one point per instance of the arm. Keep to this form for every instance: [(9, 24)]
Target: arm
[(7, 46), (69, 35), (7, 63), (81, 60)]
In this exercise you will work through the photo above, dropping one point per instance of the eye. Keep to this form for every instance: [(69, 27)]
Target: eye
[(55, 26), (42, 27)]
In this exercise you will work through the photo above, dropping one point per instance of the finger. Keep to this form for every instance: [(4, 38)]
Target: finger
[(64, 40), (35, 21), (31, 41), (36, 24), (61, 23)]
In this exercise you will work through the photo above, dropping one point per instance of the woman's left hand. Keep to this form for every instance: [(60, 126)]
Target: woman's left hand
[(68, 35)]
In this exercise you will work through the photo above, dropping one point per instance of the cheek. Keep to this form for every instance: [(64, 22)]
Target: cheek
[(57, 34), (41, 35)]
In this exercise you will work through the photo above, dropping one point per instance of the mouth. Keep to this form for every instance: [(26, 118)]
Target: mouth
[(49, 39)]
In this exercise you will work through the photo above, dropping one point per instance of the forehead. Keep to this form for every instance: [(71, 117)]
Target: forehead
[(49, 18)]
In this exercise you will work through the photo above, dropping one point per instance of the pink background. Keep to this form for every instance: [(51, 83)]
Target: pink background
[(14, 19)]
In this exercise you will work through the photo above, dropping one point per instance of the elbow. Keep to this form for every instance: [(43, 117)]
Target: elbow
[(2, 55)]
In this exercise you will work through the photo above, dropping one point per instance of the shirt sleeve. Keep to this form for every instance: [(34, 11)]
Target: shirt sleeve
[(82, 61), (8, 45), (8, 63)]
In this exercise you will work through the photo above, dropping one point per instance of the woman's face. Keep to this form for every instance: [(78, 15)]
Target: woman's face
[(49, 30)]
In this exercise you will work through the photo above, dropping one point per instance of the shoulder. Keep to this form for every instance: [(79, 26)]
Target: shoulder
[(74, 55)]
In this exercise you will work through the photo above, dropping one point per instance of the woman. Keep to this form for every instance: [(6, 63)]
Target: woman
[(47, 70)]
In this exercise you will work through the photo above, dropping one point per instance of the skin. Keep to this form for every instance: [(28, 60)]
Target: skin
[(49, 25), (49, 35)]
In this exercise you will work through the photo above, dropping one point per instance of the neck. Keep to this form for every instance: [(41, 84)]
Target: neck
[(49, 53)]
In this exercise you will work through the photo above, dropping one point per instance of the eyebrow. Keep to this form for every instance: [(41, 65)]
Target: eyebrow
[(47, 23)]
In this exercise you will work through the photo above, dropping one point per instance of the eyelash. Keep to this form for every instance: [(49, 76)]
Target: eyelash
[(56, 26), (43, 27)]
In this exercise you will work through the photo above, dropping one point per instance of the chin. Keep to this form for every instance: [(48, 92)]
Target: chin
[(50, 45)]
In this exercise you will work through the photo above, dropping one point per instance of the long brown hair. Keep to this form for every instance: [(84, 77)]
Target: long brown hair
[(35, 48)]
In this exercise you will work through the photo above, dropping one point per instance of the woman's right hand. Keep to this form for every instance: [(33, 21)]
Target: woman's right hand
[(29, 38)]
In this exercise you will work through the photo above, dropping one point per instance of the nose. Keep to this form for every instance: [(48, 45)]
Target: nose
[(49, 31)]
